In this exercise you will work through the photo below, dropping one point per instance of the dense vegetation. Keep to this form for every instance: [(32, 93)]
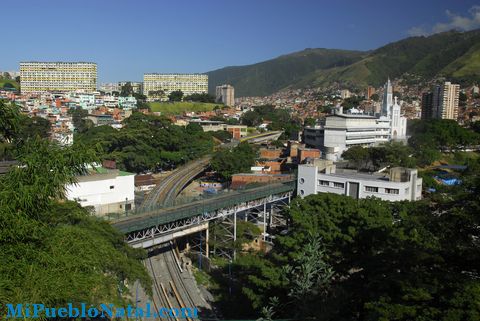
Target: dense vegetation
[(347, 259), (148, 143), (227, 162), (53, 251), (452, 54), (201, 98)]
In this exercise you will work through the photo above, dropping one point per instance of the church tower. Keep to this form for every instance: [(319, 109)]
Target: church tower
[(398, 123), (387, 98)]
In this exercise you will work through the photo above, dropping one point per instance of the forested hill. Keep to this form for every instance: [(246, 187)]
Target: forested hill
[(452, 54), (272, 75)]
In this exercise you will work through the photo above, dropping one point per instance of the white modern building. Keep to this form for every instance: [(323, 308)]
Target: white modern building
[(38, 77), (107, 190), (400, 184)]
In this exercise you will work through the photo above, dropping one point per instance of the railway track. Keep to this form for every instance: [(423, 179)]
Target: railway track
[(167, 190), (169, 288), (158, 289)]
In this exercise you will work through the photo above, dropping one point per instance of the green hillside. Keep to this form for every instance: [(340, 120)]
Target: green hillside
[(7, 83), (451, 54), (270, 76)]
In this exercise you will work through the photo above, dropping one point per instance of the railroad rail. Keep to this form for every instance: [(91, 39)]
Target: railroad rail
[(167, 190)]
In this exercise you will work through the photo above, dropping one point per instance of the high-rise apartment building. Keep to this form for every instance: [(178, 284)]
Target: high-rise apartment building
[(225, 94), (187, 83), (58, 76), (441, 102), (449, 107)]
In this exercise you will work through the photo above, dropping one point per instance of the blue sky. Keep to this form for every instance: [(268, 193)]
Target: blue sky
[(129, 38)]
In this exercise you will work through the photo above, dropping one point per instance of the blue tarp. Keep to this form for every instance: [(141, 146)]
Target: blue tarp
[(451, 181)]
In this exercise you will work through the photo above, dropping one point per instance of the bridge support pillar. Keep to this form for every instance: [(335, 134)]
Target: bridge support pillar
[(207, 248), (234, 233)]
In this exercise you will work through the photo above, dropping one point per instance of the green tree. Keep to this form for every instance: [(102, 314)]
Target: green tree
[(227, 162), (33, 126), (54, 251), (309, 122), (127, 90), (202, 98), (176, 95)]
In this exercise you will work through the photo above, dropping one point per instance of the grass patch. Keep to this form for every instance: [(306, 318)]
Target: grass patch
[(203, 278), (7, 81), (169, 108)]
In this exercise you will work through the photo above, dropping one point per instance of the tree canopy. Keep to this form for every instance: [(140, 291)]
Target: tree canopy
[(148, 143), (176, 95), (227, 162), (52, 250)]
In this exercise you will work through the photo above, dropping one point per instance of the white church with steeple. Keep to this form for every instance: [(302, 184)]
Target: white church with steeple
[(341, 131), (391, 112)]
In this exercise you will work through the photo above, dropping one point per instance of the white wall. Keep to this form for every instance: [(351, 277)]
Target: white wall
[(98, 192), (311, 179)]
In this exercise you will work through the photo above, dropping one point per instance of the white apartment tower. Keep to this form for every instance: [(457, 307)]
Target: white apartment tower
[(225, 94), (36, 77), (448, 108)]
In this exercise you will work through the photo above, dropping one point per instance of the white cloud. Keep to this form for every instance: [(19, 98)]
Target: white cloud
[(455, 21)]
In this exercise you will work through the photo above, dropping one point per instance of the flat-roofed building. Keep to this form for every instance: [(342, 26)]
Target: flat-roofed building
[(36, 77), (187, 83), (399, 184), (107, 190)]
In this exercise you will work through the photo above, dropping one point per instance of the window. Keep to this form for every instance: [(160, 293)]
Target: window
[(128, 207), (302, 192), (302, 181), (338, 185), (391, 190), (112, 187), (371, 189), (323, 183)]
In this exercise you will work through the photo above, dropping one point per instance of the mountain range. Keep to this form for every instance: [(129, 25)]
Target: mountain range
[(452, 54)]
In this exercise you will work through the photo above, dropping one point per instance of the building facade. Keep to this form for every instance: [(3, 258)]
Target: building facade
[(36, 77), (107, 190), (441, 102), (225, 94), (400, 184), (355, 128), (187, 83), (450, 97)]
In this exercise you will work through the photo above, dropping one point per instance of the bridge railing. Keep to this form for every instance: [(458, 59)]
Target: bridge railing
[(172, 214)]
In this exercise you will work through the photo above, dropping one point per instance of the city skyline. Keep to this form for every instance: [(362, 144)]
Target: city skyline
[(130, 39)]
